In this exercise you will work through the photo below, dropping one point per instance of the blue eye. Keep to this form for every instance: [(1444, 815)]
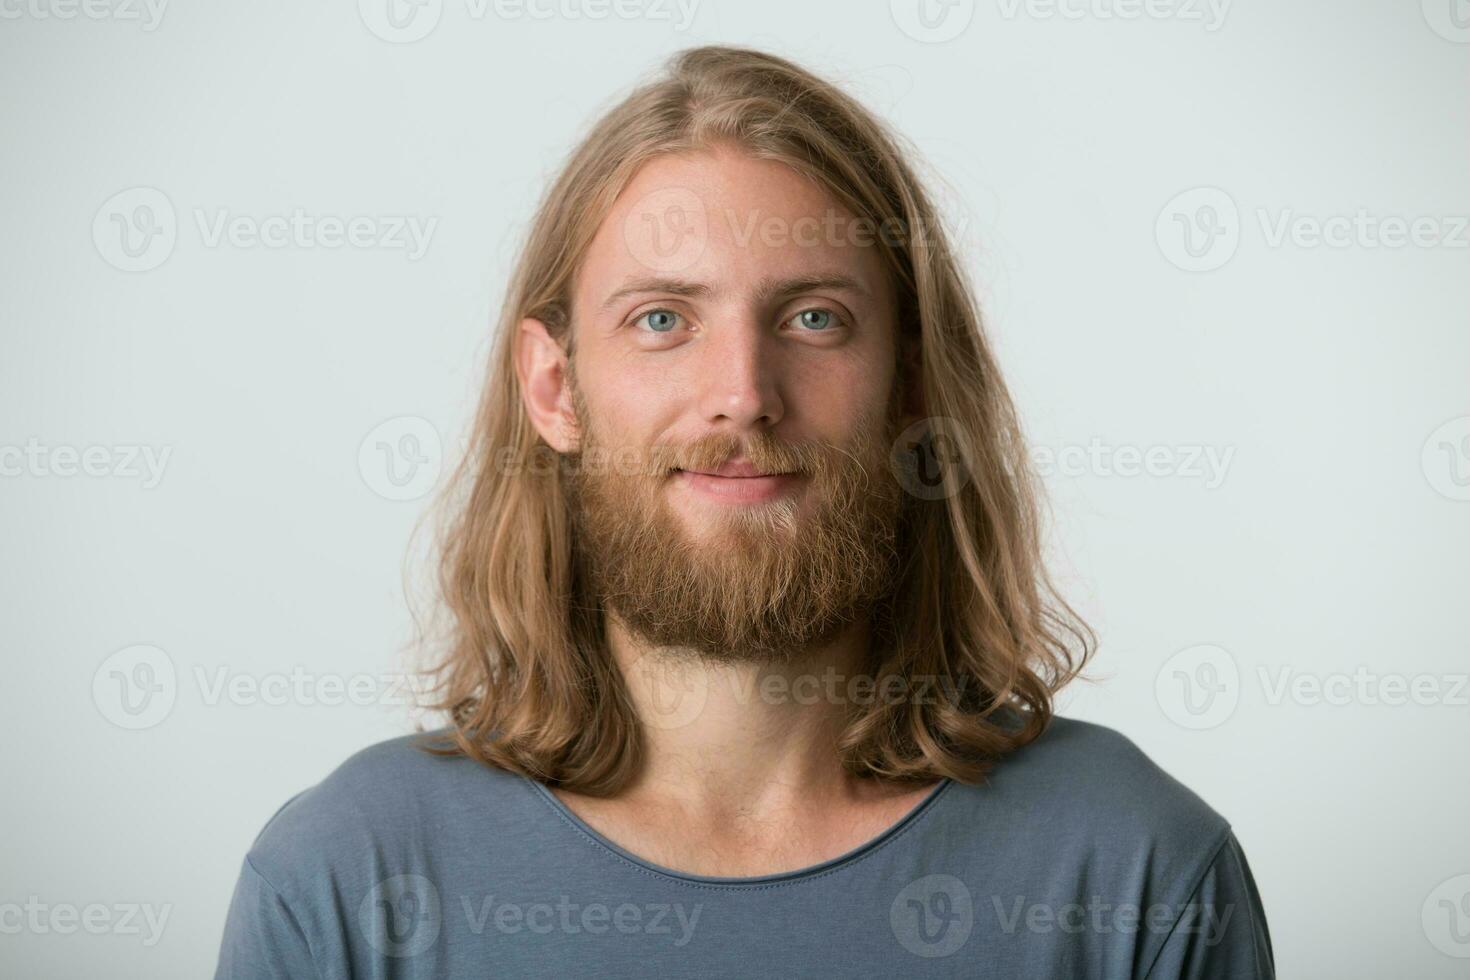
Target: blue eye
[(659, 321), (816, 319)]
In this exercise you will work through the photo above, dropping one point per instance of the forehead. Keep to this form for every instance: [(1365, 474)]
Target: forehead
[(730, 221)]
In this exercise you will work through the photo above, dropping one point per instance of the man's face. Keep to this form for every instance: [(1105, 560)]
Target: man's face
[(733, 380)]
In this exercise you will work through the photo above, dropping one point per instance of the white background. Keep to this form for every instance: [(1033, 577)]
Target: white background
[(1334, 541)]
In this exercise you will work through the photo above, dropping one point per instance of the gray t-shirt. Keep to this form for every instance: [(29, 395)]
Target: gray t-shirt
[(1078, 857)]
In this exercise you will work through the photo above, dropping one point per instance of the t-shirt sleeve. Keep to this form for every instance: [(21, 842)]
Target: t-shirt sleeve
[(262, 939), (1221, 932)]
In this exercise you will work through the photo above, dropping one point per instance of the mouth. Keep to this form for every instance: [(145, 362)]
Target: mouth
[(734, 469), (737, 482)]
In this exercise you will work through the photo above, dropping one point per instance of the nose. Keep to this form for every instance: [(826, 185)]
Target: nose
[(739, 387)]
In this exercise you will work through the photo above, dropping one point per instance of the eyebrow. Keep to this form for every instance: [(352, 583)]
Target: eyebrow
[(768, 290)]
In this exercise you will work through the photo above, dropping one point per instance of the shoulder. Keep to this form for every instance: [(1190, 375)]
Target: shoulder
[(389, 799), (1084, 763), (1088, 793), (1082, 822)]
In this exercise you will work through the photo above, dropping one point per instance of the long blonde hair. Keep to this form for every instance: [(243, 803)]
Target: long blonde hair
[(524, 674)]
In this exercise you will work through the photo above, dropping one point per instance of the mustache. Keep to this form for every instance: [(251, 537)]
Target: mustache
[(766, 454)]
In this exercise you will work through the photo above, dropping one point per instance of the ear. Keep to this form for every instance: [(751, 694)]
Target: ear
[(541, 368)]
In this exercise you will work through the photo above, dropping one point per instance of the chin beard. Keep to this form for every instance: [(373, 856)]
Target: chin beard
[(754, 583)]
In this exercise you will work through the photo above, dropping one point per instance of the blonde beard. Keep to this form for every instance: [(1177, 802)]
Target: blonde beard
[(756, 583)]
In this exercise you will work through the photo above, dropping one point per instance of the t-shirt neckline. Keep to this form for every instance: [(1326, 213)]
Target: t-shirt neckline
[(754, 881)]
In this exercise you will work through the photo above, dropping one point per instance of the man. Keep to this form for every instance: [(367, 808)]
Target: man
[(750, 652)]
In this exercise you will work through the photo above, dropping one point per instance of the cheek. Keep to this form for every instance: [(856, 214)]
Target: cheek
[(630, 402), (833, 393)]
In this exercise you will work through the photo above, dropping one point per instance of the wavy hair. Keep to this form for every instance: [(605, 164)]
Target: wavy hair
[(522, 669)]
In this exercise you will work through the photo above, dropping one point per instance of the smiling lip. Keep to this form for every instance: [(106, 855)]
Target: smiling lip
[(737, 481), (735, 469)]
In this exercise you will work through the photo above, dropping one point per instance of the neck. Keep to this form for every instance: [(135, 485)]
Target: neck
[(740, 739)]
